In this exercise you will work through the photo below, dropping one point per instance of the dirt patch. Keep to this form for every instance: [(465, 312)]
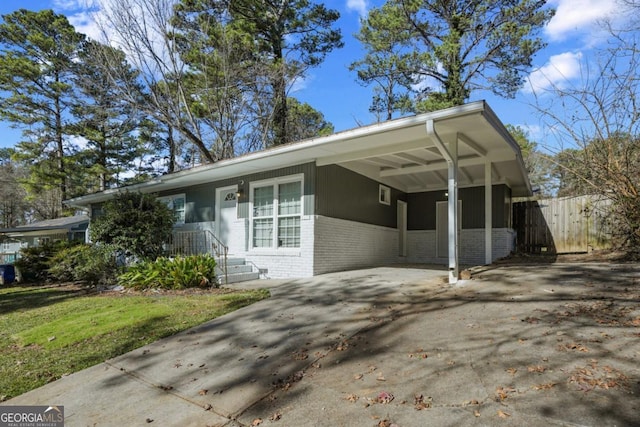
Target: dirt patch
[(598, 256)]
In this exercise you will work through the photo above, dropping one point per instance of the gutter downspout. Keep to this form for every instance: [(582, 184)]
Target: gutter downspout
[(451, 157)]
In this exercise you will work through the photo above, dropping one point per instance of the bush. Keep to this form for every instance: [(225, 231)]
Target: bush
[(33, 263), (172, 273), (136, 223), (94, 264)]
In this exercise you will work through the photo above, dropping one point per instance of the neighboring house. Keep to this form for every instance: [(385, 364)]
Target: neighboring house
[(375, 195), (39, 233)]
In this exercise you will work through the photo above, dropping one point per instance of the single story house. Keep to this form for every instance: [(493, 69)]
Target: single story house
[(39, 233), (432, 188)]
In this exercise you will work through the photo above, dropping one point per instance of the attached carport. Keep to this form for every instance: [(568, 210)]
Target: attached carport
[(466, 145)]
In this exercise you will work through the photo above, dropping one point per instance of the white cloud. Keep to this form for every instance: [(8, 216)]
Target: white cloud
[(359, 6), (85, 23), (578, 16), (557, 72), (73, 5)]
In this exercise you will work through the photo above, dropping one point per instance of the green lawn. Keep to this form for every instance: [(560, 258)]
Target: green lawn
[(48, 332)]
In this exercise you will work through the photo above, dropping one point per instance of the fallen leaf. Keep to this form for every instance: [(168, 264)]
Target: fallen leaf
[(536, 368), (352, 397), (275, 417), (384, 397), (502, 393), (546, 386), (207, 407), (302, 355), (357, 376), (256, 422), (512, 371), (421, 403), (503, 414), (380, 377), (476, 413), (203, 392)]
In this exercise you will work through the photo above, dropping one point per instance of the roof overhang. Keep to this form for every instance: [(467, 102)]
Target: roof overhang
[(397, 153), (48, 227)]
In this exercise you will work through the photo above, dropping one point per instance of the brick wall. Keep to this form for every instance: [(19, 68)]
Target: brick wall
[(343, 245), (421, 246), (287, 262)]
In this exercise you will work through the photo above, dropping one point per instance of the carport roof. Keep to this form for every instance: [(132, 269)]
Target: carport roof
[(397, 153)]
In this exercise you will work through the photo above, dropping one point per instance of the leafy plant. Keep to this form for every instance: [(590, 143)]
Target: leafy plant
[(172, 273), (134, 222), (94, 264)]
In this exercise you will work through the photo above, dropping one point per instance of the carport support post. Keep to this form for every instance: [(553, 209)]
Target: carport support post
[(451, 156), (452, 172), (488, 213)]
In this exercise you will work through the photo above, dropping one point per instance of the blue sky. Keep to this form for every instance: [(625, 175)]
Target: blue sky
[(571, 36)]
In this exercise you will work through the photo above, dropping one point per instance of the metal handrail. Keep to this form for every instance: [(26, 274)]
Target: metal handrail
[(189, 243)]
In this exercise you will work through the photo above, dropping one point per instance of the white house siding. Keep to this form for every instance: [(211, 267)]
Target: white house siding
[(421, 246), (343, 245), (290, 262)]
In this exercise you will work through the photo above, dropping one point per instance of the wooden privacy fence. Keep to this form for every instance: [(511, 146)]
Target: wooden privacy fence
[(562, 225)]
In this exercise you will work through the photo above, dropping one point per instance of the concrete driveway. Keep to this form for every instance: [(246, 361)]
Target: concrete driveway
[(533, 345)]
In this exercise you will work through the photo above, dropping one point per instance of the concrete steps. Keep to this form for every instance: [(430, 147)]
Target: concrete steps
[(237, 271)]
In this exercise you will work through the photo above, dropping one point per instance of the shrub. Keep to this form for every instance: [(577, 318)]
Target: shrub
[(33, 263), (134, 222), (94, 264), (171, 273)]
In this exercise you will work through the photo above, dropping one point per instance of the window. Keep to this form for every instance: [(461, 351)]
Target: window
[(276, 215), (176, 203), (385, 195)]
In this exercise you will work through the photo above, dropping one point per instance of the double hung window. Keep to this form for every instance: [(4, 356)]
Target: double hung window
[(277, 211), (176, 203)]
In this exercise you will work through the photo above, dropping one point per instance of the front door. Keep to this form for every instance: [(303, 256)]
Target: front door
[(442, 227), (226, 214)]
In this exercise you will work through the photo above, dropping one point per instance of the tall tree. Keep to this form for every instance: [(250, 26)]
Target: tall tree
[(143, 30), (461, 46), (290, 36), (388, 64), (305, 122), (105, 120), (13, 205), (38, 50), (538, 165), (221, 71)]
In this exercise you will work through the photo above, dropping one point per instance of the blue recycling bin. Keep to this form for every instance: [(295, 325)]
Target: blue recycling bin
[(7, 274)]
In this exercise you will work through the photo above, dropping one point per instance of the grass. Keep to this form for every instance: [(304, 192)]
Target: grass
[(48, 332)]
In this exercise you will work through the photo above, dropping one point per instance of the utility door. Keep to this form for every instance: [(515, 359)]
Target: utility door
[(402, 228)]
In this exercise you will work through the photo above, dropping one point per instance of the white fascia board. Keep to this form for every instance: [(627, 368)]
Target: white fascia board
[(493, 119)]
